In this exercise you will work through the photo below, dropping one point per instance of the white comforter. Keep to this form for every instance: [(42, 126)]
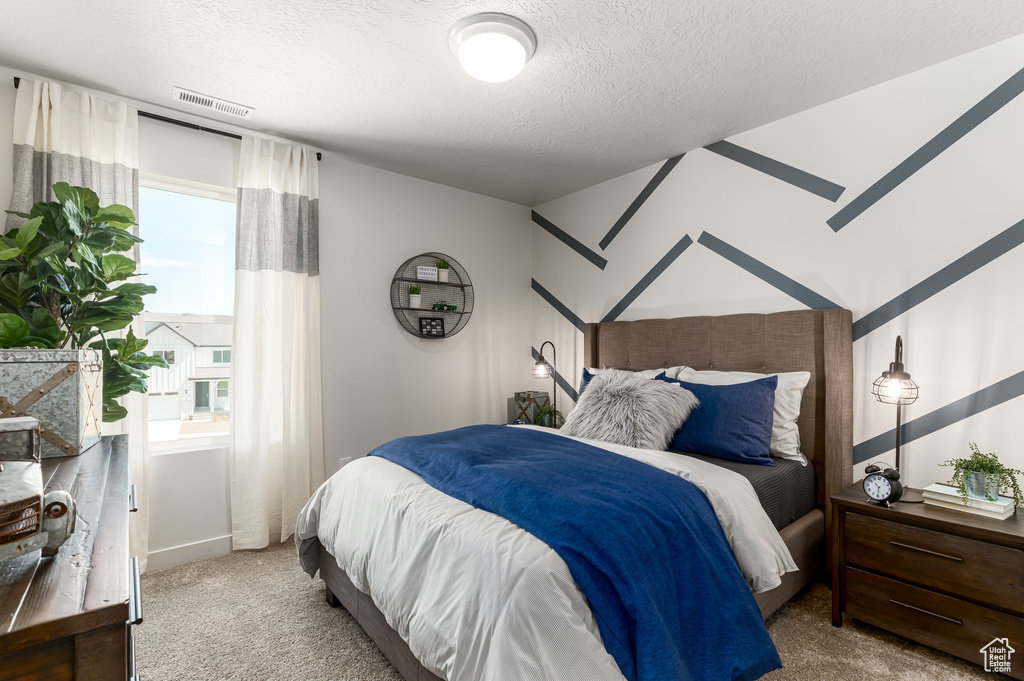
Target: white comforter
[(477, 597)]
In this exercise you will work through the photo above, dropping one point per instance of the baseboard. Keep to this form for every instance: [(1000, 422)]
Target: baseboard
[(186, 553)]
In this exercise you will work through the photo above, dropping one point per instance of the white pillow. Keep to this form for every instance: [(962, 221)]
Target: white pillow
[(785, 442), (627, 409), (671, 372)]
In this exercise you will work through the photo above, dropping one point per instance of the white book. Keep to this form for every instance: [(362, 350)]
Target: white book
[(959, 506), (948, 493)]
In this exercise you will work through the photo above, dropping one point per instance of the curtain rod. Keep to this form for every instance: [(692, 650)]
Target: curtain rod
[(175, 121)]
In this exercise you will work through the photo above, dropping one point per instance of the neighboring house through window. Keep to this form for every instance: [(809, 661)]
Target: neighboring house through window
[(188, 254)]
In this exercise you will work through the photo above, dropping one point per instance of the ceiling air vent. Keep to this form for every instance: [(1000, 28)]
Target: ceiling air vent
[(207, 102)]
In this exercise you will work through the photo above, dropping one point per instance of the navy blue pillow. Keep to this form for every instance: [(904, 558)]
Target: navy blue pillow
[(732, 422), (585, 379)]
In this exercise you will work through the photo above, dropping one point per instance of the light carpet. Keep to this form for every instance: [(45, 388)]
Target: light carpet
[(256, 615)]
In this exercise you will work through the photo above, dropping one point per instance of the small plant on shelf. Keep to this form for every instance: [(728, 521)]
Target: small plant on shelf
[(549, 417), (983, 474), (442, 270), (414, 296)]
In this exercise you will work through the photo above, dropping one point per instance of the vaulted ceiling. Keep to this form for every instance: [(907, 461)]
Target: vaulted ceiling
[(614, 86)]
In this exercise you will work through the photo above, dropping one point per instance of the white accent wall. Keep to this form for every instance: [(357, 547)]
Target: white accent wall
[(961, 340)]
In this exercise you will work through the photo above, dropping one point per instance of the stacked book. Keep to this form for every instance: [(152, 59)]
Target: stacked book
[(949, 497)]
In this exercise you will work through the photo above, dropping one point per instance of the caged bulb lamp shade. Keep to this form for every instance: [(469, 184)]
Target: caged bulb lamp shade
[(492, 47)]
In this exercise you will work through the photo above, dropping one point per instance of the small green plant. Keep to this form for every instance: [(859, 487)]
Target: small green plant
[(548, 410), (998, 478), (443, 265), (414, 290)]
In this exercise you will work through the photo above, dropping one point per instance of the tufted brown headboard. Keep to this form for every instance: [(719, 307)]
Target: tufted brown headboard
[(818, 341)]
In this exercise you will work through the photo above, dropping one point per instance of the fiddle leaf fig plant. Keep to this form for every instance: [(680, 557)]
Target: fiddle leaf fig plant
[(61, 275)]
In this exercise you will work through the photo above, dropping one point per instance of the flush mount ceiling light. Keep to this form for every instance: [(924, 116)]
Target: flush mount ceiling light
[(492, 47)]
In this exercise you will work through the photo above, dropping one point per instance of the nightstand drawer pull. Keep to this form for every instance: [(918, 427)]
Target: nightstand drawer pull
[(932, 553), (927, 612)]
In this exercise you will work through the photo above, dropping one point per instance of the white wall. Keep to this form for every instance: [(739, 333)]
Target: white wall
[(380, 382), (964, 339)]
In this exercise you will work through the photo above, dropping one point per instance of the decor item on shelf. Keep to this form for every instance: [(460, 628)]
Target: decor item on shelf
[(451, 300), (67, 289), (492, 47), (414, 296), (31, 517), (432, 327), (426, 273), (442, 270), (982, 476), (524, 405), (895, 387), (549, 417), (544, 370)]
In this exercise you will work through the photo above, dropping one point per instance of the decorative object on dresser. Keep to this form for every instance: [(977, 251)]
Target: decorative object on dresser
[(70, 289), (947, 579), (30, 517), (982, 476), (451, 296), (542, 370), (549, 417), (70, 616), (896, 387)]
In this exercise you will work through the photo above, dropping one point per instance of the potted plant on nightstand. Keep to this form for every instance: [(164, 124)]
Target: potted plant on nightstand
[(442, 270), (982, 476), (414, 296), (64, 291), (549, 417)]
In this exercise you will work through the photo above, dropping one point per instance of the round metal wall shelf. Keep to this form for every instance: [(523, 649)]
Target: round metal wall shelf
[(428, 321)]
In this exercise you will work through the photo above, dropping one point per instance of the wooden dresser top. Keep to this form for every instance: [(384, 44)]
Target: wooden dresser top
[(86, 584)]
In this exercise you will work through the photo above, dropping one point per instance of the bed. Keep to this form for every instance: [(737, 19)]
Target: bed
[(816, 341)]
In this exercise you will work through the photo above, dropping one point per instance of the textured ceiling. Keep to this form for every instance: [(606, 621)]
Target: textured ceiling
[(614, 86)]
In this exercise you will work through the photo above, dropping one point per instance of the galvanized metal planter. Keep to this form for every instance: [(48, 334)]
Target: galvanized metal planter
[(63, 389)]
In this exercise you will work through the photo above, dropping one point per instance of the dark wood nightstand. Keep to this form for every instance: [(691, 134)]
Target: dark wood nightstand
[(948, 579)]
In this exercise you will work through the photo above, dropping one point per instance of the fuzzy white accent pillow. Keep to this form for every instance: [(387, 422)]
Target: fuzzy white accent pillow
[(624, 408)]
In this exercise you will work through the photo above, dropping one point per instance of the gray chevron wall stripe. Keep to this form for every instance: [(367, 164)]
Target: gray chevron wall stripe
[(640, 199), (974, 116), (562, 383), (557, 304), (649, 278), (950, 274), (791, 288), (986, 398), (568, 240), (778, 170)]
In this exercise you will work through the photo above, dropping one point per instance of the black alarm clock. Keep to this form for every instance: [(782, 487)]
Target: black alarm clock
[(882, 486)]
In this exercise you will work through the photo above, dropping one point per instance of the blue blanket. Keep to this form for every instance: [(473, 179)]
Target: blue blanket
[(644, 546)]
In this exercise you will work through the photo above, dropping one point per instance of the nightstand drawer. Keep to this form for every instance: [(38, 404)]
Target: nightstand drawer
[(943, 622), (979, 571)]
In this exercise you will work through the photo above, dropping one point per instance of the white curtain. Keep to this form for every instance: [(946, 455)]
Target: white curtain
[(276, 432), (65, 136)]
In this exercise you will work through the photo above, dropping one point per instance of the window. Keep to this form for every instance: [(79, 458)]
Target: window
[(189, 255), (166, 354)]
